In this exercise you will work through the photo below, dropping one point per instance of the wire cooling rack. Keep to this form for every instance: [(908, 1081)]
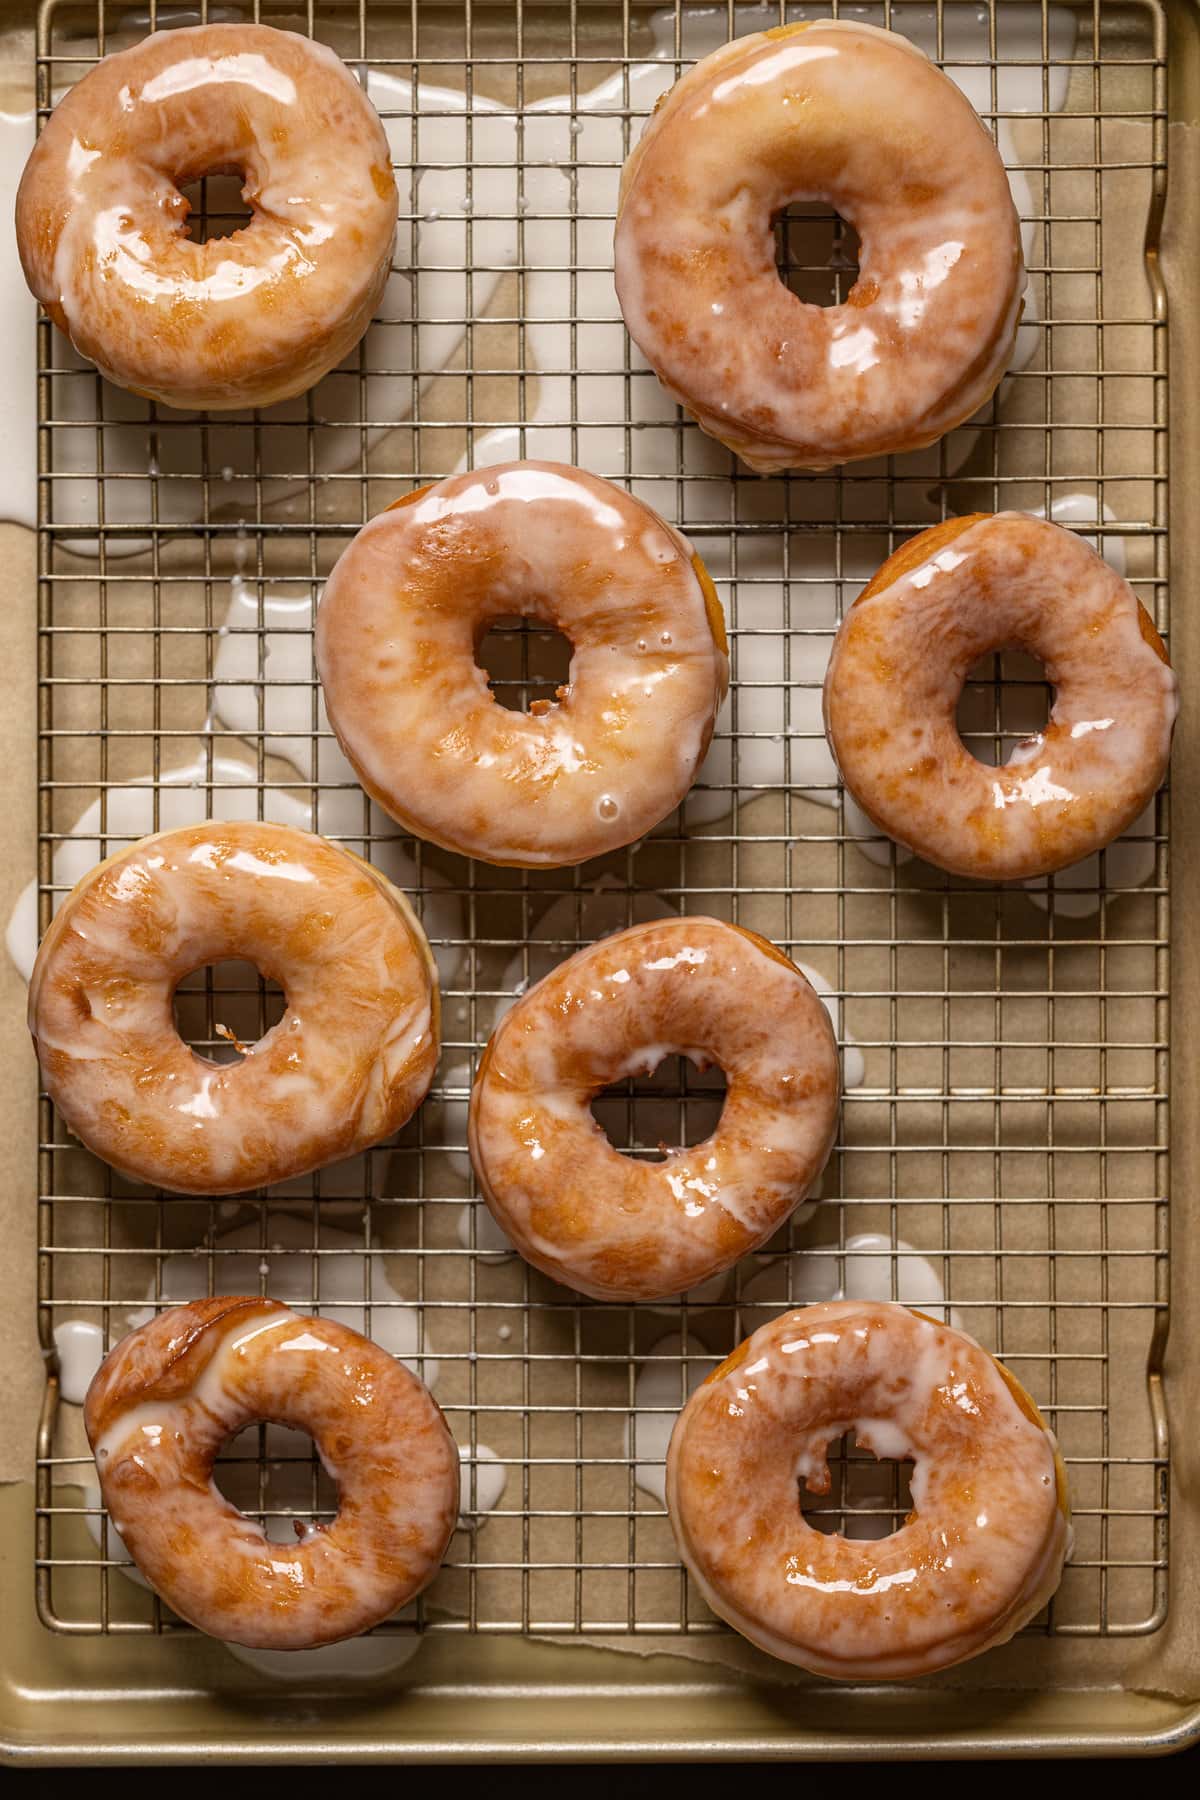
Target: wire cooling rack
[(1010, 1121)]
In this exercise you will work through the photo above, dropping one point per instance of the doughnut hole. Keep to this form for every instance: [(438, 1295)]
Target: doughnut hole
[(1005, 702), (273, 1475), (527, 663), (223, 1009), (217, 207), (676, 1105), (868, 1498), (816, 253)]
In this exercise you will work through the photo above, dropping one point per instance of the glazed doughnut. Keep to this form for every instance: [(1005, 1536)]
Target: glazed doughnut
[(413, 597), (243, 320), (169, 1395), (973, 585), (861, 119), (608, 1225), (347, 1064), (980, 1553)]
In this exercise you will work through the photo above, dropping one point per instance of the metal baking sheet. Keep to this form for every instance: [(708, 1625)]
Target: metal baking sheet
[(1007, 1136)]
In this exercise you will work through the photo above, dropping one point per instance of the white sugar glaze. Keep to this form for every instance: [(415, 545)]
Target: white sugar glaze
[(277, 627), (614, 1227), (592, 913), (898, 668), (593, 770), (562, 161), (862, 1269), (228, 791), (666, 1377), (239, 1264), (979, 1555), (347, 1064), (491, 1242), (185, 796), (427, 308), (172, 1392), (605, 906), (788, 749), (574, 146), (1128, 869), (293, 1259), (785, 744), (243, 320), (264, 654), (798, 1279), (841, 112), (1123, 866), (287, 1266), (351, 1659), (289, 1486), (484, 1479), (80, 1347)]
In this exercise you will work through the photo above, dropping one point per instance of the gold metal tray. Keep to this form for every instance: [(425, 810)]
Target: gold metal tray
[(1007, 1134)]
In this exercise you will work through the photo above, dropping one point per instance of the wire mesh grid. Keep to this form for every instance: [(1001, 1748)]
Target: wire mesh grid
[(1002, 1149)]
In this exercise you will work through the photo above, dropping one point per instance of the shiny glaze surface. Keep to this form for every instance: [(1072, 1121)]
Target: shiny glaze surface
[(243, 320), (980, 1553), (982, 583), (622, 1229), (347, 1064), (411, 599), (862, 120), (170, 1394)]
